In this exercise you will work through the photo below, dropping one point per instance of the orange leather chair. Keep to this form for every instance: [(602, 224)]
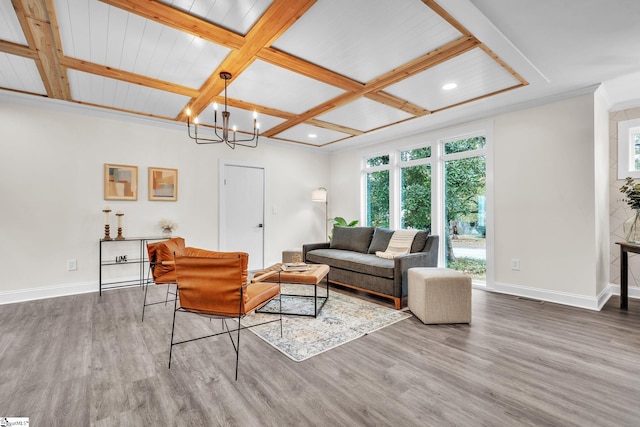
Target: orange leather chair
[(162, 270), (215, 284)]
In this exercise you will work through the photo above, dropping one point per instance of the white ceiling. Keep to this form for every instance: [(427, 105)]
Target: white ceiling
[(348, 72)]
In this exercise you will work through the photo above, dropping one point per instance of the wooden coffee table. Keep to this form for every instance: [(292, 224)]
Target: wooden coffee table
[(313, 276)]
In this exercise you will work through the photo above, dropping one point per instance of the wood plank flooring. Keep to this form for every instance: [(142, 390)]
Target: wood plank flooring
[(86, 360)]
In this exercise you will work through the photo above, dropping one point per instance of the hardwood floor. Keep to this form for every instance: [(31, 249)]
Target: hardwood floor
[(87, 360)]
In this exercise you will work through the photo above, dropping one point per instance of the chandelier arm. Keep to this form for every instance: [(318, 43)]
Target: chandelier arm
[(255, 138), (247, 142), (197, 139)]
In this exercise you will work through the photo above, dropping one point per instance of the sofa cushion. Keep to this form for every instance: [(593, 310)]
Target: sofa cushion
[(352, 238), (419, 241), (353, 261), (380, 241)]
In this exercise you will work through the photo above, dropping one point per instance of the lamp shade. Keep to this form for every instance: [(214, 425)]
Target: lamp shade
[(319, 195)]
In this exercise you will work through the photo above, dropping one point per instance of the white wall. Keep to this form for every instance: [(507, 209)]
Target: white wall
[(547, 199), (51, 187), (601, 164)]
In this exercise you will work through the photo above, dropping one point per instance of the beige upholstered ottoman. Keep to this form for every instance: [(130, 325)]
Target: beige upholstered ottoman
[(439, 295)]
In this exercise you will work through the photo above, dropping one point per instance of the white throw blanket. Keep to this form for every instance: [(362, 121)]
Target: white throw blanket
[(399, 244)]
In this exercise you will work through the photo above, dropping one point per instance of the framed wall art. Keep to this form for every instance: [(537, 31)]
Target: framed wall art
[(120, 182), (163, 184)]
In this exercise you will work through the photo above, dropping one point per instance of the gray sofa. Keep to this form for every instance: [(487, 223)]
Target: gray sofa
[(353, 262)]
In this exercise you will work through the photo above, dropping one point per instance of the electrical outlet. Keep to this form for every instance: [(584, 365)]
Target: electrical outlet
[(515, 264), (72, 265)]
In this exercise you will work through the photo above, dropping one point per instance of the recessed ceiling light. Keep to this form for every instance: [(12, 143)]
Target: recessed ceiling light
[(449, 86), (313, 135)]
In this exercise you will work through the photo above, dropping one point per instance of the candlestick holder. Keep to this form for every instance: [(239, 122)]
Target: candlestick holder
[(106, 232), (119, 214), (106, 211)]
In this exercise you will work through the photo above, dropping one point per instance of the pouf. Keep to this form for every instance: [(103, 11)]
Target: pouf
[(439, 295)]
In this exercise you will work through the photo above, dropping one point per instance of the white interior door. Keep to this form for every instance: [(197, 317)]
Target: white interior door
[(242, 212)]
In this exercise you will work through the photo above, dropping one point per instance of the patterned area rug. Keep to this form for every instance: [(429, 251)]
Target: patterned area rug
[(342, 319)]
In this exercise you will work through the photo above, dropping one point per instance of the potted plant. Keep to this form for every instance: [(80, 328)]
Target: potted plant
[(631, 227), (167, 227)]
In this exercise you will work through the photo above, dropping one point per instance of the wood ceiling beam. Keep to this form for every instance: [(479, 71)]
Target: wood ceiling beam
[(126, 76), (260, 109), (503, 64), (458, 26), (300, 66), (447, 17), (179, 20), (431, 59), (334, 103), (335, 127), (395, 102), (38, 22), (18, 50), (275, 21)]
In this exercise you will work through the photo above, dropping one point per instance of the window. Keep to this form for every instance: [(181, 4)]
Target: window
[(415, 189), (439, 186), (629, 149), (464, 206), (377, 182)]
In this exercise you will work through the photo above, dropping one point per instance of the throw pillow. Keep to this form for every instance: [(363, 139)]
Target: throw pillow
[(355, 239), (381, 237), (419, 241)]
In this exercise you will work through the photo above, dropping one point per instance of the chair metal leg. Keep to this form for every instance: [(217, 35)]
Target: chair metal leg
[(238, 349), (166, 298), (173, 326), (144, 301), (280, 315)]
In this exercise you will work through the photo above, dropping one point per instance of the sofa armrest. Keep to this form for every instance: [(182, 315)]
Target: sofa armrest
[(427, 258), (311, 246)]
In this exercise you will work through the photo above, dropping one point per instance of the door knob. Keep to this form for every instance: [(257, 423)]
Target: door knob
[(259, 225)]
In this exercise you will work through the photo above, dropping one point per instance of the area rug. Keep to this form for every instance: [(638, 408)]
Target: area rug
[(342, 319)]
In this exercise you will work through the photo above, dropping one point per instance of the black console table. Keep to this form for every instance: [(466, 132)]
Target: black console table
[(625, 248), (140, 259)]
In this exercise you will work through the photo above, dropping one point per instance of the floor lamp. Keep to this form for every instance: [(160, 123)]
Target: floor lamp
[(320, 195)]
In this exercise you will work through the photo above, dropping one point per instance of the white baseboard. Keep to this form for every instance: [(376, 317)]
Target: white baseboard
[(42, 292), (10, 297), (565, 298), (634, 292)]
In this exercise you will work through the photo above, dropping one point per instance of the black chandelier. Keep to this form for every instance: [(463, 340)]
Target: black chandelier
[(232, 143)]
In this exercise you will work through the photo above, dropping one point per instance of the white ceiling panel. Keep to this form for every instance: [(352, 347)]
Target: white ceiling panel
[(364, 114), (105, 35), (475, 73), (270, 86), (304, 133), (243, 119), (9, 25), (237, 16), (396, 32), (21, 74), (117, 94)]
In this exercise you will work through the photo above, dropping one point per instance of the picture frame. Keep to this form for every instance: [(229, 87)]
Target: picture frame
[(120, 182), (163, 184)]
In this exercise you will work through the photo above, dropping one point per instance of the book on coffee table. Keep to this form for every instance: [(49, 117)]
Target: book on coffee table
[(295, 266)]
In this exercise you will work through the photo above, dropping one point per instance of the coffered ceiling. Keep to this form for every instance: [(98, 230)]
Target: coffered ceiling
[(318, 72)]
